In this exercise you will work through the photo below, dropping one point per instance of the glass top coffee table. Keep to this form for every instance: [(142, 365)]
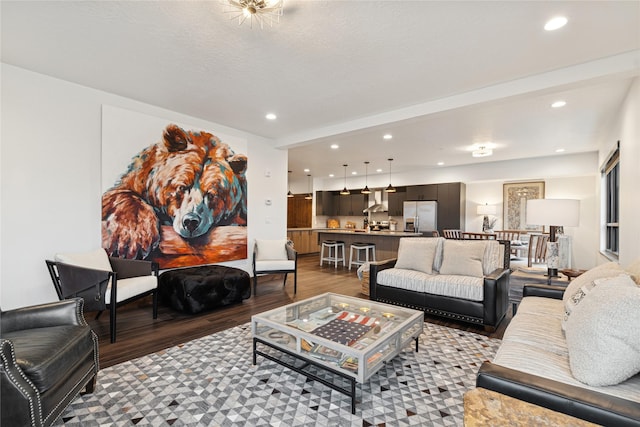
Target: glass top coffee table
[(335, 334)]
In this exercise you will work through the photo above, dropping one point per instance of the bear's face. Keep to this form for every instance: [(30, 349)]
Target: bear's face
[(199, 183)]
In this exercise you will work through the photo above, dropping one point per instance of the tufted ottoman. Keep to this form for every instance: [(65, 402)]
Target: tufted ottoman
[(195, 289)]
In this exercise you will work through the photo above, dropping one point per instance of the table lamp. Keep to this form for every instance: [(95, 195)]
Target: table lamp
[(554, 213), (486, 210)]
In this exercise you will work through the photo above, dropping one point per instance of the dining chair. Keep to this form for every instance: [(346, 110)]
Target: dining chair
[(537, 249)]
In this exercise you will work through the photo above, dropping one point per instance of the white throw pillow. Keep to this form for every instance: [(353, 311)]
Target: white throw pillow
[(462, 258), (581, 293), (603, 337), (269, 250), (605, 270), (96, 259), (417, 253)]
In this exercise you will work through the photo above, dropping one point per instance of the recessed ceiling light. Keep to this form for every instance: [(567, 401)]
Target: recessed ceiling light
[(334, 146), (440, 163), (354, 173), (555, 23), (378, 170), (560, 150), (331, 175), (307, 170), (271, 116), (388, 136), (559, 104)]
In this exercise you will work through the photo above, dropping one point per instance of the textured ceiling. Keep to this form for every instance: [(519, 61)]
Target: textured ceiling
[(439, 75)]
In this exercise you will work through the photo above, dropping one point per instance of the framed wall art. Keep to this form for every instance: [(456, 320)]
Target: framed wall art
[(515, 196)]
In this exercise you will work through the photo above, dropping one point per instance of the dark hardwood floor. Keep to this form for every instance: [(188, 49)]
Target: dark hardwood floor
[(139, 334)]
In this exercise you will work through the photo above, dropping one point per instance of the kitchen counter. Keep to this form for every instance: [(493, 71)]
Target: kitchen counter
[(386, 242)]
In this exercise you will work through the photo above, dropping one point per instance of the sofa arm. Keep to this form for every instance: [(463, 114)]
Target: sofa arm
[(496, 296), (547, 291), (20, 399), (65, 312), (374, 268), (578, 402)]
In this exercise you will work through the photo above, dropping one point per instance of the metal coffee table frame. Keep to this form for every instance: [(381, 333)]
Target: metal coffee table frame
[(405, 325)]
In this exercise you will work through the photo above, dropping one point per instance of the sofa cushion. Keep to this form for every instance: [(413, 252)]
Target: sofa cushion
[(492, 257), (634, 270), (463, 258), (417, 253), (463, 287), (602, 333), (271, 249)]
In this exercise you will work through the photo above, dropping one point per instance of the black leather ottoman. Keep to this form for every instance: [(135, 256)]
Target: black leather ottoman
[(195, 289)]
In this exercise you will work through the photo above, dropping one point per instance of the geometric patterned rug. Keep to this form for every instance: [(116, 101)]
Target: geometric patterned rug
[(211, 382)]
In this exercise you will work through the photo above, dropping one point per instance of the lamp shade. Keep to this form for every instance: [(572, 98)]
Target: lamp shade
[(486, 210), (558, 212)]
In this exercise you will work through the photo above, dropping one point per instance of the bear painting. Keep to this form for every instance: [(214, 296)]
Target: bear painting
[(182, 201)]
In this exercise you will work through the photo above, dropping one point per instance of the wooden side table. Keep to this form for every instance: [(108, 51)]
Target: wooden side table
[(484, 407), (571, 273)]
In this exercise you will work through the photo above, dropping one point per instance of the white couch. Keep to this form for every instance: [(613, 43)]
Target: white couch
[(575, 351)]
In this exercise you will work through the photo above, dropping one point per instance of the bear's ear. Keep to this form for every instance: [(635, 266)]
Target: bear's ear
[(238, 163), (175, 138)]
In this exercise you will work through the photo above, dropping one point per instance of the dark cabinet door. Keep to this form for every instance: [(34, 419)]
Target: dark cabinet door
[(326, 203), (396, 201), (358, 204), (451, 206), (344, 203), (422, 192)]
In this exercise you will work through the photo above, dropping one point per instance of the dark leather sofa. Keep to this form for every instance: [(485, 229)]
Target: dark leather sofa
[(583, 403), (488, 313), (49, 354)]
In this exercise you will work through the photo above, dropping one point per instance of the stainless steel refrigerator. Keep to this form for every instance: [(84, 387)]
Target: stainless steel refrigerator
[(420, 217)]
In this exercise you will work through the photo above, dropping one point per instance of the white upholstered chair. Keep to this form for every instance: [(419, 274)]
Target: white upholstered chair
[(100, 280), (275, 257)]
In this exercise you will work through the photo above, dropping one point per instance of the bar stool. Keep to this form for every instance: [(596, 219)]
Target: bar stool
[(333, 249), (359, 247)]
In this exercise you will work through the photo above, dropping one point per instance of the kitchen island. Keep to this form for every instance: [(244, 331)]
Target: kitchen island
[(386, 241)]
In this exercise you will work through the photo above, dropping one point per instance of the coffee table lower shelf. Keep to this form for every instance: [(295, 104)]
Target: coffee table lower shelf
[(351, 391)]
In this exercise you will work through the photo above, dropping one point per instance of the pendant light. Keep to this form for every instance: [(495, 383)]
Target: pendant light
[(390, 188), (366, 190), (344, 191), (309, 196), (289, 194)]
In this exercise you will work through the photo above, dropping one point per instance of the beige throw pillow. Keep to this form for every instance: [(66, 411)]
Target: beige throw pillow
[(417, 253), (462, 258), (604, 270), (602, 333), (271, 250)]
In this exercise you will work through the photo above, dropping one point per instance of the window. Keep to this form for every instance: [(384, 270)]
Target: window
[(611, 175)]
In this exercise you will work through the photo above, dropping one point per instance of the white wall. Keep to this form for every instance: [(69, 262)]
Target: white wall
[(627, 131), (50, 178)]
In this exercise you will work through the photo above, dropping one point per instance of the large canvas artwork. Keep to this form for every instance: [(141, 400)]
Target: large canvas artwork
[(515, 199), (173, 194)]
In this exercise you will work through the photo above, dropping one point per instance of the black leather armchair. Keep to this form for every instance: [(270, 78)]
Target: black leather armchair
[(49, 354)]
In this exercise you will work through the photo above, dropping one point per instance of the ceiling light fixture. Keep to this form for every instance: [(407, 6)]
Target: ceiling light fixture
[(263, 11), (344, 191), (289, 194), (334, 146), (270, 116), (555, 23), (440, 163), (309, 196), (388, 136), (390, 188), (482, 151), (559, 104), (366, 190)]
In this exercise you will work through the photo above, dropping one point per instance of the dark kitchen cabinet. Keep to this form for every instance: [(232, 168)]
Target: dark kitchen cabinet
[(351, 205), (451, 206), (326, 203), (396, 201), (422, 192)]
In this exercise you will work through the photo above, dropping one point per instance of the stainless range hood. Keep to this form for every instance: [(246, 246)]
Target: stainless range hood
[(378, 206)]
